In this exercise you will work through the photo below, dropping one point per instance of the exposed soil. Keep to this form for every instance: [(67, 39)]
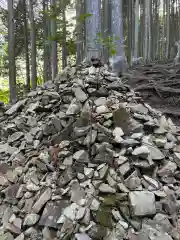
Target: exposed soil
[(159, 85)]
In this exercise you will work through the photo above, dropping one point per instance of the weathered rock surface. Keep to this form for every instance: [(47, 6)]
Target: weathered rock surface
[(84, 158)]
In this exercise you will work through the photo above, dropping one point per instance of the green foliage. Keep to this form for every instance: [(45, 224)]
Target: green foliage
[(50, 13), (59, 36), (56, 37), (4, 90), (108, 43), (84, 16), (20, 85), (20, 90), (3, 58), (4, 96), (56, 9), (71, 47), (40, 79)]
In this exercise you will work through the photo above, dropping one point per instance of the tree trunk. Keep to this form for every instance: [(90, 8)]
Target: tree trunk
[(33, 46), (79, 39), (26, 44), (141, 32), (163, 32), (129, 35), (167, 29), (93, 27), (136, 28), (117, 26), (157, 20), (146, 30), (149, 30), (47, 59), (106, 25), (54, 58), (11, 53), (64, 48)]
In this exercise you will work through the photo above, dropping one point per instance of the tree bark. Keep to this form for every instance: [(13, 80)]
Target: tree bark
[(64, 48), (93, 27), (167, 29), (136, 28), (54, 58), (33, 46), (11, 53), (47, 60), (117, 26), (26, 44), (79, 33)]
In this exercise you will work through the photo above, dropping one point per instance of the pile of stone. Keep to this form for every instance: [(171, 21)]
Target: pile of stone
[(84, 158)]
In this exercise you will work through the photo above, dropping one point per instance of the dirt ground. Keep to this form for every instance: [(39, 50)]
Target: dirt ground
[(159, 85)]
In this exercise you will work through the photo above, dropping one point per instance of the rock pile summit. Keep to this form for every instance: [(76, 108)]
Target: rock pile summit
[(85, 158)]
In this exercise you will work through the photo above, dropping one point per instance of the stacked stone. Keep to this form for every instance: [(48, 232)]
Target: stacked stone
[(85, 158)]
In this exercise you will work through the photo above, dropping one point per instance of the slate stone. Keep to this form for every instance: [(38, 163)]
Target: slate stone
[(14, 108), (142, 203), (44, 197), (11, 193), (52, 213), (84, 157)]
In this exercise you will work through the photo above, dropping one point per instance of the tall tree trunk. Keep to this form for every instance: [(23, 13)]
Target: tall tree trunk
[(149, 31), (146, 23), (47, 46), (106, 25), (167, 29), (93, 27), (173, 29), (33, 46), (64, 48), (133, 29), (79, 32), (163, 31), (117, 26), (54, 58), (179, 18), (136, 28), (26, 44), (153, 30), (129, 34), (11, 53), (141, 32), (157, 19)]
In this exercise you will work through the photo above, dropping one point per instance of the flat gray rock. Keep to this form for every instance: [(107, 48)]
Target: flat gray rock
[(44, 197), (14, 108), (52, 213), (142, 203)]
